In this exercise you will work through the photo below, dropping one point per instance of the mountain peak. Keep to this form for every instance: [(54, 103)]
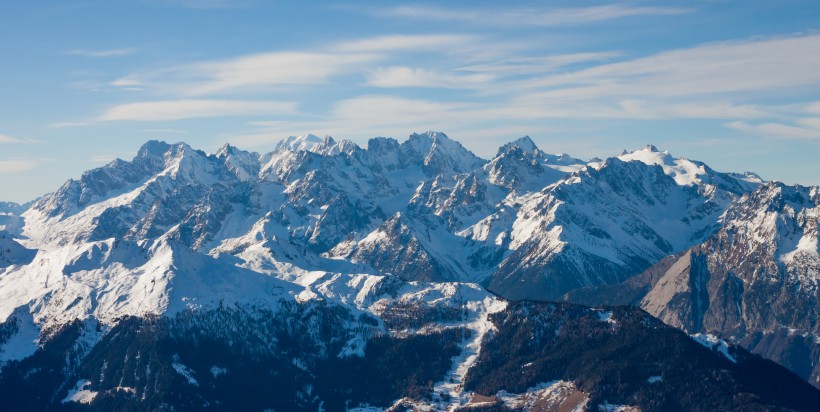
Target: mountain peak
[(328, 141), (440, 154), (244, 164), (424, 142), (524, 143), (429, 135), (299, 143), (153, 148), (649, 154), (226, 150), (182, 149), (330, 147)]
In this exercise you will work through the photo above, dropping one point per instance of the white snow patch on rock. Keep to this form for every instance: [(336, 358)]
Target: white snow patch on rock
[(607, 317), (608, 407), (80, 393), (714, 343), (185, 371), (217, 371), (24, 342)]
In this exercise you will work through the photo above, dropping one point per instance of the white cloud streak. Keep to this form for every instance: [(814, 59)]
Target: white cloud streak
[(709, 81), (417, 42), (103, 158), (8, 139), (539, 65), (186, 109), (777, 130), (209, 4), (101, 53), (708, 69), (14, 166), (364, 116), (252, 73), (541, 17), (393, 77), (810, 122), (814, 108), (172, 131), (378, 115), (61, 125), (271, 69), (263, 72)]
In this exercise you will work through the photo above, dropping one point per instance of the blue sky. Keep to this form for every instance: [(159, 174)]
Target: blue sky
[(733, 83)]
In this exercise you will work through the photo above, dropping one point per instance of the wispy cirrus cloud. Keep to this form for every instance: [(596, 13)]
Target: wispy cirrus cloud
[(186, 109), (171, 131), (718, 81), (805, 125), (813, 108), (701, 109), (394, 77), (704, 81), (540, 64), (810, 122), (101, 52), (261, 72), (103, 158), (363, 116), (61, 125), (407, 42), (251, 73), (209, 4), (4, 138), (532, 16), (20, 165), (728, 67), (8, 139), (776, 130), (271, 69), (372, 115)]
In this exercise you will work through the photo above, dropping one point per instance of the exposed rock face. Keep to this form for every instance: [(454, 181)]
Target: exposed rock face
[(755, 281)]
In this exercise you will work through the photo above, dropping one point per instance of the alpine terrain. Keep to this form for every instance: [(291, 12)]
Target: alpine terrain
[(410, 276)]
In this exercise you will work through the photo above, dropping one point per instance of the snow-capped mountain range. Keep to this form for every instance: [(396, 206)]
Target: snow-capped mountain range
[(177, 230), (526, 224)]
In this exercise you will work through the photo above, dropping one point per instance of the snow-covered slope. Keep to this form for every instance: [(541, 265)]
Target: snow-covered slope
[(118, 240), (389, 240), (177, 229), (605, 223), (10, 220), (307, 142), (688, 172), (527, 223), (12, 252)]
